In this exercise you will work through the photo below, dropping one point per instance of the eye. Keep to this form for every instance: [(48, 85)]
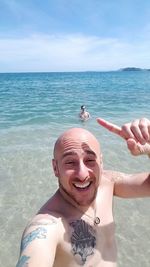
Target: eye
[(90, 161), (70, 162)]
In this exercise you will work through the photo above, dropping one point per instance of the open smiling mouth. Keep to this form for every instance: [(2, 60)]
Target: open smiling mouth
[(82, 186)]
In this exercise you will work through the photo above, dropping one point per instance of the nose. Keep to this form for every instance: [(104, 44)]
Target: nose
[(83, 171)]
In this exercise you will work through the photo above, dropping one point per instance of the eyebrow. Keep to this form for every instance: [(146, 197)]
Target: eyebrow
[(72, 153), (90, 152), (68, 153)]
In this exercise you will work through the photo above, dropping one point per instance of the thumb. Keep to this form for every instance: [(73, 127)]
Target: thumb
[(136, 148), (133, 147)]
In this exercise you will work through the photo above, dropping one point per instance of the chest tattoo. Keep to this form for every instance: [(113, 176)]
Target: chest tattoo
[(83, 240)]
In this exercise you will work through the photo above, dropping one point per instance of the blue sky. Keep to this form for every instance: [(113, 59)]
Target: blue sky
[(74, 35)]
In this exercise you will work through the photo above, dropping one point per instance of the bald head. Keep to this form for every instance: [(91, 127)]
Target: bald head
[(78, 163), (76, 138)]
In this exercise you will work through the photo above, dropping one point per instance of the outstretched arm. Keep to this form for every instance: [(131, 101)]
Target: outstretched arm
[(39, 242), (136, 134)]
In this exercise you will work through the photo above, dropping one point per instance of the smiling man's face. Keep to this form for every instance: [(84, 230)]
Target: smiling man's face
[(77, 164)]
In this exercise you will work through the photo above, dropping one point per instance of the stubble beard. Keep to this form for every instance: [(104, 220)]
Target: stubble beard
[(78, 202)]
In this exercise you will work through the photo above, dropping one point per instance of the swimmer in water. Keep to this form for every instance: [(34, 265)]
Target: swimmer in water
[(84, 115)]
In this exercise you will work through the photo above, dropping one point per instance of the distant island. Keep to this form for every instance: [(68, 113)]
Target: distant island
[(133, 69)]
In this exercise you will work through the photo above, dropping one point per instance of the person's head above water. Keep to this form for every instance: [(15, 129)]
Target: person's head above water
[(83, 107), (77, 164)]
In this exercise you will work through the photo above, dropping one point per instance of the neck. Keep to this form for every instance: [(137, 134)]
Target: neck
[(75, 204), (91, 214)]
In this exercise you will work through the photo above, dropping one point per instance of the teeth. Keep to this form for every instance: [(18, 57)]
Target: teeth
[(82, 185)]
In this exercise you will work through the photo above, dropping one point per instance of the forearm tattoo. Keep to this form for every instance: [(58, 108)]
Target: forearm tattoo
[(39, 233), (23, 261), (83, 240)]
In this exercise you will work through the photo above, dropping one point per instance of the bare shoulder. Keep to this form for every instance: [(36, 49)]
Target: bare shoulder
[(117, 181), (113, 176), (40, 226), (42, 220), (49, 217), (41, 235)]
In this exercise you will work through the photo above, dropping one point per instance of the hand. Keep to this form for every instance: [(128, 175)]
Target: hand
[(136, 134)]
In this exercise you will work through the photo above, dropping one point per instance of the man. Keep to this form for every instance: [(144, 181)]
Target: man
[(84, 115), (75, 227)]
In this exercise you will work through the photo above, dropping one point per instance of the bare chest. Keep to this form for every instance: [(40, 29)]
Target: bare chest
[(86, 245)]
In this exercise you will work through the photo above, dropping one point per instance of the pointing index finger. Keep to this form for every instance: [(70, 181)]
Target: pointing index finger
[(110, 126)]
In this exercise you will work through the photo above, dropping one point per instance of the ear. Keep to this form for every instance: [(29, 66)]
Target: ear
[(55, 167), (101, 163)]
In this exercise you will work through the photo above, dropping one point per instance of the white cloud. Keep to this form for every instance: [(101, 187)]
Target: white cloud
[(70, 53)]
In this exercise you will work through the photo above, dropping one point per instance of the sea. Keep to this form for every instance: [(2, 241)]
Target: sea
[(35, 108)]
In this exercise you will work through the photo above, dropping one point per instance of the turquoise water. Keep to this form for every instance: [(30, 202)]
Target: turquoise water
[(41, 98), (35, 108)]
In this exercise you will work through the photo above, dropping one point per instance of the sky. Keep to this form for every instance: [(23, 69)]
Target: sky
[(74, 35)]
